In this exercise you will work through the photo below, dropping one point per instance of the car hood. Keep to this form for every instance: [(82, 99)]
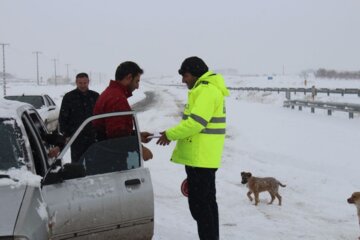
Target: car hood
[(10, 203)]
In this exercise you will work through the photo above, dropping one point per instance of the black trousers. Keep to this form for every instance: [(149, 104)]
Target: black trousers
[(202, 201)]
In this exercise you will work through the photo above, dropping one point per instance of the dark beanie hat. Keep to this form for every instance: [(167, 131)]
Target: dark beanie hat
[(193, 65)]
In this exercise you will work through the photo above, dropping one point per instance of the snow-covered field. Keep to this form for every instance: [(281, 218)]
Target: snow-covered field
[(315, 155)]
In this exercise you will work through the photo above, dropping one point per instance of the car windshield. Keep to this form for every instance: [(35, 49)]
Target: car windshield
[(11, 145), (36, 101)]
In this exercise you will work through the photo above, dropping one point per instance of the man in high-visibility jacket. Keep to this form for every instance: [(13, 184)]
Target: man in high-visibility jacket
[(200, 139)]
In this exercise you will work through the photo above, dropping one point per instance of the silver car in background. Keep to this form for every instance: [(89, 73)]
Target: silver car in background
[(44, 104), (107, 195)]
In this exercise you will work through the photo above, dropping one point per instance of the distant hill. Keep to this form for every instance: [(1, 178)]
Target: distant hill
[(325, 73), (227, 71), (7, 75)]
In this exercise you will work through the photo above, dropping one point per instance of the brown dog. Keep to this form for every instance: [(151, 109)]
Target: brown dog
[(355, 199), (257, 185)]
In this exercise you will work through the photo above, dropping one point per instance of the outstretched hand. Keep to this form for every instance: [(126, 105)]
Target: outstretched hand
[(163, 140), (144, 137)]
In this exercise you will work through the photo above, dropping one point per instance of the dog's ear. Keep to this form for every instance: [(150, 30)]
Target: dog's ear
[(249, 174)]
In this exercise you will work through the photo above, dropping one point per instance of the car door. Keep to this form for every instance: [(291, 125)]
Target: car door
[(32, 217), (112, 199)]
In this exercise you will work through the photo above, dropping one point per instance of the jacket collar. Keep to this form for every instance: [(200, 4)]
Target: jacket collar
[(124, 89)]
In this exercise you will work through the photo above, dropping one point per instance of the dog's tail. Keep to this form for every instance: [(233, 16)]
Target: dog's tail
[(282, 185)]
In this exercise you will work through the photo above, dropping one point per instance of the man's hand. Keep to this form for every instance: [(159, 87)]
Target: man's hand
[(144, 137), (163, 140), (54, 152), (147, 154)]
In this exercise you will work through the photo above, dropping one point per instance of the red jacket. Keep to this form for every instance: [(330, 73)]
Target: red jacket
[(113, 99)]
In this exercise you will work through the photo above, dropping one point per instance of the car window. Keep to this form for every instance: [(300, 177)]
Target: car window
[(111, 155), (37, 148), (36, 101), (40, 128), (52, 103), (47, 103), (37, 123), (100, 153), (12, 147)]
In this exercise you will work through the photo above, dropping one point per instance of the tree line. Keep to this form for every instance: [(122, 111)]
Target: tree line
[(324, 73)]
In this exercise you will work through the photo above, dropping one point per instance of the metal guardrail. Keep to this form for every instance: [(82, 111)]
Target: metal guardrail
[(329, 106), (328, 91)]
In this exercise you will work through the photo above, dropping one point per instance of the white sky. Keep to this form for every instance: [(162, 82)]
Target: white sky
[(250, 36)]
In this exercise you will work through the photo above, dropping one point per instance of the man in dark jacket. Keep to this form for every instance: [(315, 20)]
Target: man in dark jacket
[(77, 105)]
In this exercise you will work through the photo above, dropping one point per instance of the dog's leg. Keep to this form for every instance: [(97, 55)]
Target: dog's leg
[(279, 197), (249, 195), (272, 197), (256, 198)]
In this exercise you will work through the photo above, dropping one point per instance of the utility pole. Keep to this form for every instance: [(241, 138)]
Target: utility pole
[(37, 66), (4, 74), (54, 59), (283, 70), (67, 72)]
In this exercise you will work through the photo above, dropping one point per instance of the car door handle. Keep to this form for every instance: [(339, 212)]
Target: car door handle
[(131, 182)]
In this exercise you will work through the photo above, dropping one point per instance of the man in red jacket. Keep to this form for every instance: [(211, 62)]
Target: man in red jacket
[(114, 99)]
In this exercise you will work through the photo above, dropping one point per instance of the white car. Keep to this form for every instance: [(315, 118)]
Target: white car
[(108, 196), (46, 107)]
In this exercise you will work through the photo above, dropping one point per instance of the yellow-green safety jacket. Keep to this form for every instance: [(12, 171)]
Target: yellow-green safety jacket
[(200, 134)]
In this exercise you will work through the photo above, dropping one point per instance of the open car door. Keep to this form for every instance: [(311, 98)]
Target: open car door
[(107, 195)]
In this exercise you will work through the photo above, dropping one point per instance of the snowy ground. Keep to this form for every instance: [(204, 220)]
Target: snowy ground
[(316, 155)]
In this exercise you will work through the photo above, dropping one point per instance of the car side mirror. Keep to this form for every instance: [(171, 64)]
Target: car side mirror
[(53, 174), (68, 171), (73, 170)]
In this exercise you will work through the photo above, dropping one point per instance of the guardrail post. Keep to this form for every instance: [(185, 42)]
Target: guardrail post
[(288, 95), (329, 112), (312, 110), (292, 106), (300, 108), (351, 115)]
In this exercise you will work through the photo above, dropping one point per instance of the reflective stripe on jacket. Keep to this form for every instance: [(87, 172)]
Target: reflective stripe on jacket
[(201, 133)]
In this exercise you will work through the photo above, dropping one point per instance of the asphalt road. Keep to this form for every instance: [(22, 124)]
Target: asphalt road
[(146, 103)]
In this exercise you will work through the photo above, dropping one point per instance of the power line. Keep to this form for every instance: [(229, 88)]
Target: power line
[(37, 66), (4, 74)]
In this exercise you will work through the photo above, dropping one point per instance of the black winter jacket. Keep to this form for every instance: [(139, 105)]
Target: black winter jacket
[(76, 106)]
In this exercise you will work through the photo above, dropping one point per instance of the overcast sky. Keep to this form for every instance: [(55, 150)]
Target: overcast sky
[(254, 36)]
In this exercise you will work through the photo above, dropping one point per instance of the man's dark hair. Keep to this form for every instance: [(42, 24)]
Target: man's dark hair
[(193, 65), (82, 75), (126, 68)]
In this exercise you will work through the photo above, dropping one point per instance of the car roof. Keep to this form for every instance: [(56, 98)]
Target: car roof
[(15, 95), (13, 109)]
